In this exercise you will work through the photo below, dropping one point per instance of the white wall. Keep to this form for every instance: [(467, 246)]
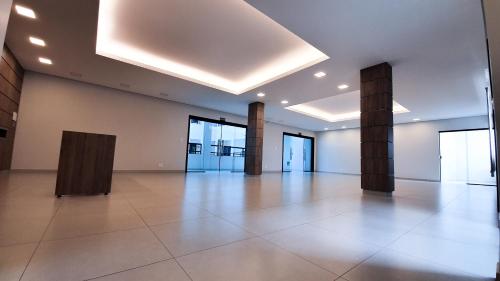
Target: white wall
[(4, 18), (149, 130), (416, 148)]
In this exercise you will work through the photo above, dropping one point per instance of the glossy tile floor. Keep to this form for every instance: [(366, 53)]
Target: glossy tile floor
[(218, 227)]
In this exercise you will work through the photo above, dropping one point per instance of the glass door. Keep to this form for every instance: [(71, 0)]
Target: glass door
[(298, 153), (465, 157), (215, 145)]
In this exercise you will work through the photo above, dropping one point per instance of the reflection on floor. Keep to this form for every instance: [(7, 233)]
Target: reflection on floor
[(230, 227)]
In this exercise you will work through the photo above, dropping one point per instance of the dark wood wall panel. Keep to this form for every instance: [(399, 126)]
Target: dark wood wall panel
[(11, 81), (377, 148), (254, 139)]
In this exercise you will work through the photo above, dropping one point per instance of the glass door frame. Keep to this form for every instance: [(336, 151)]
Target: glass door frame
[(299, 135), (204, 119)]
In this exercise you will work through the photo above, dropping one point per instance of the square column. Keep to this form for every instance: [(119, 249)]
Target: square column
[(254, 139), (377, 149)]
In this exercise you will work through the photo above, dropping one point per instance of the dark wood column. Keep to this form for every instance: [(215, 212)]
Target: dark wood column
[(377, 162), (255, 138)]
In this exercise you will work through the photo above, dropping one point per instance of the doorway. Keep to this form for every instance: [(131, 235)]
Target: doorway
[(466, 157), (215, 145), (298, 153)]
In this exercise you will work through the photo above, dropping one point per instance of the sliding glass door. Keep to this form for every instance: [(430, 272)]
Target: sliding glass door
[(298, 153), (215, 145), (465, 157)]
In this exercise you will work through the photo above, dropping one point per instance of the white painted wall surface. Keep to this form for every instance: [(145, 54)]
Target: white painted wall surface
[(416, 148), (5, 6), (149, 130)]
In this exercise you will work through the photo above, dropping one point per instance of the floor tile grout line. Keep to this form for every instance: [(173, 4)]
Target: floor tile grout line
[(261, 236), (439, 210), (160, 241), (93, 234), (299, 256), (129, 269), (40, 240), (386, 247)]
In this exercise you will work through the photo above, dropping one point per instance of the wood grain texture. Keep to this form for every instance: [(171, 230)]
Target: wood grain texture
[(377, 148), (11, 80), (254, 139), (85, 163)]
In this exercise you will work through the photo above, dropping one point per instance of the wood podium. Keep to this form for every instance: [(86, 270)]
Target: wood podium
[(85, 164)]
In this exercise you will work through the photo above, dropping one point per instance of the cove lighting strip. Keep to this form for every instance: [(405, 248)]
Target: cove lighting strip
[(326, 116), (109, 47)]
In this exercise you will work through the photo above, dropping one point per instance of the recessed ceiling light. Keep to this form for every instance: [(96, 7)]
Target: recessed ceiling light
[(261, 94), (326, 129), (37, 41), (320, 74), (416, 119), (343, 87), (284, 101), (45, 60), (27, 12), (343, 127)]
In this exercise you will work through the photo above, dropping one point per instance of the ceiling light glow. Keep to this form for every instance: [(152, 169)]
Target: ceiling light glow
[(110, 45), (416, 119), (261, 94), (27, 12), (284, 102), (324, 115), (37, 41), (45, 60), (343, 87), (320, 74), (326, 129), (343, 127)]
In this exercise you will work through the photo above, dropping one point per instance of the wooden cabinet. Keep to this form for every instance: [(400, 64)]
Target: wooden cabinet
[(85, 164)]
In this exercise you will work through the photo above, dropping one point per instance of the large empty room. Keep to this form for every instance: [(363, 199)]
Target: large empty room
[(249, 140)]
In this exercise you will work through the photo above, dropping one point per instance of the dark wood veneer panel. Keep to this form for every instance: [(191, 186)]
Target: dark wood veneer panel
[(85, 163), (11, 77), (377, 148), (9, 57), (254, 139)]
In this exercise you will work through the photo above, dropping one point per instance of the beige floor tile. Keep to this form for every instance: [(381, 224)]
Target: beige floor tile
[(22, 230), (189, 236), (155, 216), (322, 217), (93, 256), (68, 226), (161, 271), (274, 219), (255, 260), (475, 259), (336, 253), (99, 204), (13, 260), (370, 228), (460, 229), (391, 266)]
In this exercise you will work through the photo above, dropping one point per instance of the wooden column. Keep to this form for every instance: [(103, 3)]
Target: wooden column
[(254, 139), (377, 152)]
